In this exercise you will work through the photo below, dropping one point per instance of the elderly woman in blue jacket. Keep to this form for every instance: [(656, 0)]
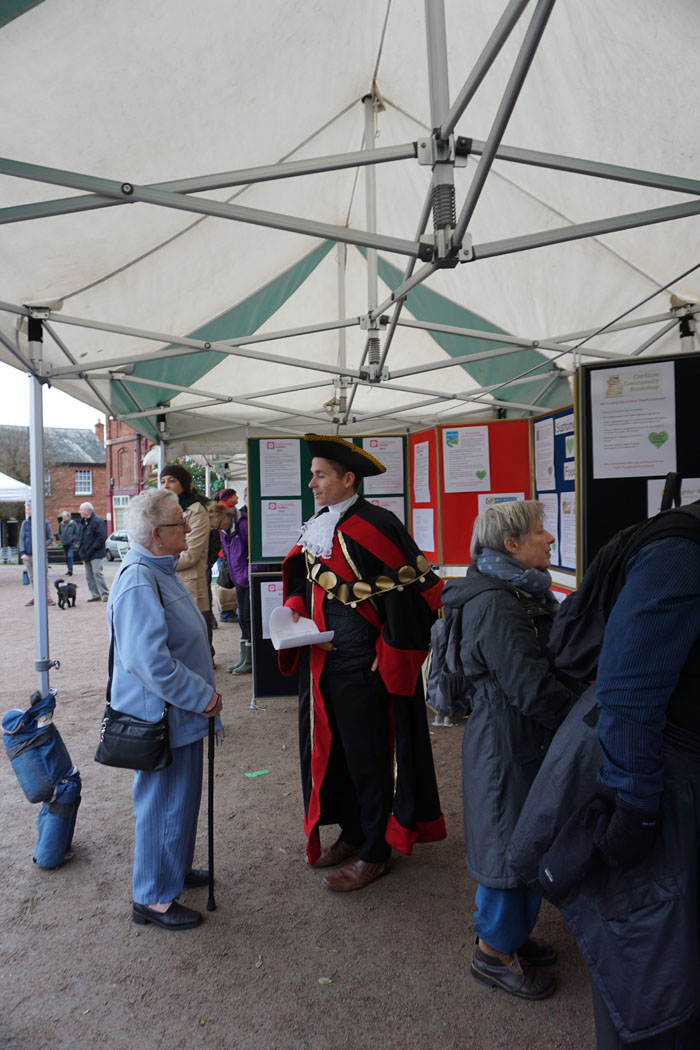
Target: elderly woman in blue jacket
[(161, 655)]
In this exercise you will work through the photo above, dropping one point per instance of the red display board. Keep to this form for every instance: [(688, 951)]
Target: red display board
[(429, 436), (509, 457)]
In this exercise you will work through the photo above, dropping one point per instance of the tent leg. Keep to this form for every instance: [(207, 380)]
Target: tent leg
[(42, 663)]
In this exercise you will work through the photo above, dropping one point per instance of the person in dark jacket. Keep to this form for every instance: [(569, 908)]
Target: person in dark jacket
[(92, 550), (506, 611), (67, 535), (25, 547)]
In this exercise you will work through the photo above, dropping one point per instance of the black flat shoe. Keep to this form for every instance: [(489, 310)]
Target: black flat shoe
[(196, 877), (525, 982), (177, 917)]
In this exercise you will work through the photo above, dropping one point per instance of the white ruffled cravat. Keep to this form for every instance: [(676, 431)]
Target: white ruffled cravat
[(317, 533)]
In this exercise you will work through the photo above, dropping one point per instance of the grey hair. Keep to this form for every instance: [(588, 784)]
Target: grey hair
[(514, 520), (145, 511), (89, 506)]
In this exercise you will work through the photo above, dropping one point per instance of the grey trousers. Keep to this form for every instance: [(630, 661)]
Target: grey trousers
[(95, 578)]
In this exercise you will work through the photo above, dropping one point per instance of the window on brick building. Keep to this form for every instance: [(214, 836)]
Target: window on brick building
[(47, 483), (119, 505), (83, 483)]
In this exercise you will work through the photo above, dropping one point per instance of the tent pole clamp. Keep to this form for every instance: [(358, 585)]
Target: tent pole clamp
[(46, 665)]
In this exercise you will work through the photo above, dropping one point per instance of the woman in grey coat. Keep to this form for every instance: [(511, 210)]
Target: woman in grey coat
[(504, 611)]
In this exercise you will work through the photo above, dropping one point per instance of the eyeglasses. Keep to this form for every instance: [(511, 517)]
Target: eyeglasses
[(172, 525)]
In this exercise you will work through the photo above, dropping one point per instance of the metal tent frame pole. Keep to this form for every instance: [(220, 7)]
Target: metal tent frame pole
[(42, 661)]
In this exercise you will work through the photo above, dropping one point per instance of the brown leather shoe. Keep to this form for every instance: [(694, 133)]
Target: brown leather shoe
[(526, 982), (355, 876), (335, 854)]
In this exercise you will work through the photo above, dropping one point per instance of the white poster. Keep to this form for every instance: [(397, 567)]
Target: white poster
[(570, 471), (280, 467), (634, 420), (690, 491), (270, 598), (564, 424), (550, 502), (424, 528), (490, 499), (567, 529), (421, 472), (393, 503), (389, 451), (466, 459), (280, 526), (544, 454)]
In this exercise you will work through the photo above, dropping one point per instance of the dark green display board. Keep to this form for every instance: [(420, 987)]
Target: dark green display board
[(255, 497), (608, 504)]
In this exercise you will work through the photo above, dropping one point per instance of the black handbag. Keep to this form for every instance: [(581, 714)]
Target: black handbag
[(224, 578), (129, 742)]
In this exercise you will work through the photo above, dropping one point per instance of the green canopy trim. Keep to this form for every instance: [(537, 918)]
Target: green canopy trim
[(426, 305), (241, 320)]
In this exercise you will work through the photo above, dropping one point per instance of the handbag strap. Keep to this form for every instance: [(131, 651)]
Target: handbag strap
[(110, 665)]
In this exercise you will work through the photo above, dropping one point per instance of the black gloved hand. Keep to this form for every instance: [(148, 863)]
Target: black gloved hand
[(630, 835), (570, 856)]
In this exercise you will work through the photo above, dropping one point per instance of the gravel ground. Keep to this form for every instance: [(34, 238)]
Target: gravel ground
[(79, 975)]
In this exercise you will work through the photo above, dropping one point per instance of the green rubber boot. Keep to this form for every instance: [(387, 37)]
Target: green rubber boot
[(247, 666), (241, 660)]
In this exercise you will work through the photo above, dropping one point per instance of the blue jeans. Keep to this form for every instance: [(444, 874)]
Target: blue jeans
[(69, 552), (243, 598), (504, 919)]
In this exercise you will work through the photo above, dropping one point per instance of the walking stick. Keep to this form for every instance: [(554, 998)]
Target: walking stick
[(211, 903)]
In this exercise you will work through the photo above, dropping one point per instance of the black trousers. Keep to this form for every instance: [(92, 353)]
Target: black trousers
[(358, 787), (683, 1037)]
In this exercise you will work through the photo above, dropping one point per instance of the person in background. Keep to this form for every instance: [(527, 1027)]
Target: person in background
[(161, 655), (366, 759), (229, 497), (506, 610), (25, 548), (67, 535), (192, 563), (233, 529), (92, 550)]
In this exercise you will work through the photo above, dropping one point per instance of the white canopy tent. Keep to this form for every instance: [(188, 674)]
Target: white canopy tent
[(227, 220), (13, 491)]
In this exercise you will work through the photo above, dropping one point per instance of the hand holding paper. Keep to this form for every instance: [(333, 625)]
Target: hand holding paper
[(288, 633)]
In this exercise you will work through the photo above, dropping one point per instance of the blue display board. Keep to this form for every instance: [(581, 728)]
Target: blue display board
[(554, 472)]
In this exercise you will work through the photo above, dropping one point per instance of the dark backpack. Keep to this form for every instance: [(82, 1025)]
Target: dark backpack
[(578, 630), (448, 690), (214, 547)]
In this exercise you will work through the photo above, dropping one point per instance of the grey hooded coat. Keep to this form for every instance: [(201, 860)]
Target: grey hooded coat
[(518, 703)]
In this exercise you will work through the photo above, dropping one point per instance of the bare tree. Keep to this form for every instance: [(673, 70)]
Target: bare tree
[(14, 453)]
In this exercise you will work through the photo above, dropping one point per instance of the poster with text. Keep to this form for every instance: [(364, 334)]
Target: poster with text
[(690, 491), (544, 454), (633, 414), (465, 453), (389, 452), (550, 520), (271, 598), (280, 526), (424, 528), (280, 469), (490, 499), (421, 472), (567, 529), (393, 503)]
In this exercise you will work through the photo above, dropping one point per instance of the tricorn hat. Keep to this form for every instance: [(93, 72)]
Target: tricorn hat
[(330, 446)]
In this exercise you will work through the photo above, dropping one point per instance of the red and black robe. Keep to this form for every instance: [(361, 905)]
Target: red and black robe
[(376, 569)]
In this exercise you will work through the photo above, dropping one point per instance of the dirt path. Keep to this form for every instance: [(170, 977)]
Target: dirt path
[(78, 975)]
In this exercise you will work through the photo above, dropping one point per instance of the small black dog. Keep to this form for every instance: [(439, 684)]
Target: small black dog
[(66, 593)]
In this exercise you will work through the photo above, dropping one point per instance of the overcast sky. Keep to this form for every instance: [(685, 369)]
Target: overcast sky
[(59, 409)]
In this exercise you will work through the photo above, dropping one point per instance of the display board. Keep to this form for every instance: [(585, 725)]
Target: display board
[(553, 444), (268, 680), (424, 492), (279, 498), (479, 464), (636, 421)]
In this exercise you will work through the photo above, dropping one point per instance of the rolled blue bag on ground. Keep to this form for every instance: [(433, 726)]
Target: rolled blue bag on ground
[(46, 774)]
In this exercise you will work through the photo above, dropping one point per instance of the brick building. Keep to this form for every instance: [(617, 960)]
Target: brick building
[(81, 467), (74, 467), (125, 473)]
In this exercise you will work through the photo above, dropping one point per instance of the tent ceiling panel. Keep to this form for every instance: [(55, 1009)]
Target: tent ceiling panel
[(154, 93)]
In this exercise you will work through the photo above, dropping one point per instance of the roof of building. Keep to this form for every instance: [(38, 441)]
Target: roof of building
[(68, 445)]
